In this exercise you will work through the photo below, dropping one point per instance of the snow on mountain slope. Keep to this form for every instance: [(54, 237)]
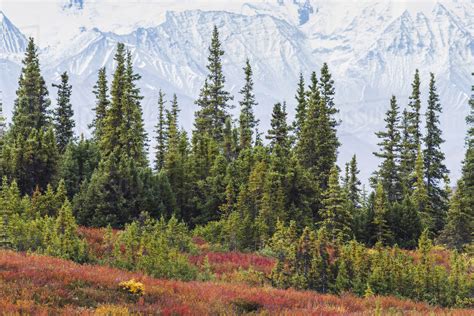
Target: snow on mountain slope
[(372, 48), (12, 41), (12, 45), (173, 56)]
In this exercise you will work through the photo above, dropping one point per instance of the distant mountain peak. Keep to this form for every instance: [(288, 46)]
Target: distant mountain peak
[(74, 4), (12, 41), (372, 48)]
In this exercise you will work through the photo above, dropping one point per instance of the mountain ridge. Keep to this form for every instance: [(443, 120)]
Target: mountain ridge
[(370, 59)]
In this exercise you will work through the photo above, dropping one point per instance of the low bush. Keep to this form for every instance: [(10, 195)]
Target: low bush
[(156, 247)]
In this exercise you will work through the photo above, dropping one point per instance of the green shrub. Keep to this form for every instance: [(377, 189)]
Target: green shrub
[(155, 247)]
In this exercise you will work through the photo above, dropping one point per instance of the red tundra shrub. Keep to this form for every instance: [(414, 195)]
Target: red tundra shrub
[(40, 285)]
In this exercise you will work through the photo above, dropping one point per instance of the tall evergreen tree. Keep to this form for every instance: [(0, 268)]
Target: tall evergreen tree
[(63, 114), (274, 202), (78, 163), (122, 185), (278, 133), (419, 196), (337, 219), (301, 105), (353, 183), (435, 169), (317, 145), (406, 159), (411, 136), (459, 227), (101, 105), (133, 137), (161, 134), (176, 160), (172, 118), (313, 93), (327, 90), (29, 153), (112, 121), (31, 109), (230, 142), (214, 99), (414, 115), (123, 128), (247, 120), (389, 152), (382, 231)]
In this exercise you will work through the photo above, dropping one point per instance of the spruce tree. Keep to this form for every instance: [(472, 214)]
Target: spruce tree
[(230, 141), (274, 198), (435, 169), (29, 153), (122, 185), (123, 127), (318, 143), (414, 115), (313, 93), (411, 136), (31, 108), (459, 226), (5, 239), (210, 119), (382, 231), (460, 218), (172, 130), (353, 184), (114, 115), (133, 137), (214, 99), (78, 163), (406, 157), (336, 218), (419, 196), (389, 152), (63, 114), (405, 223), (327, 90), (318, 138), (63, 240), (176, 160), (278, 133), (102, 104), (161, 134), (247, 120), (301, 105), (327, 144)]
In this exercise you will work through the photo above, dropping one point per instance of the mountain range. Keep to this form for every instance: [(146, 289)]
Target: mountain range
[(372, 49)]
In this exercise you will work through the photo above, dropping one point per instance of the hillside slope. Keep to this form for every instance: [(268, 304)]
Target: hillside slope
[(34, 284)]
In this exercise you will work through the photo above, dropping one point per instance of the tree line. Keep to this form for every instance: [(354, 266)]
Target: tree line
[(223, 177), (229, 182)]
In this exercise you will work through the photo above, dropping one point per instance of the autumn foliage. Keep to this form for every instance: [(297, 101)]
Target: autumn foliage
[(35, 284)]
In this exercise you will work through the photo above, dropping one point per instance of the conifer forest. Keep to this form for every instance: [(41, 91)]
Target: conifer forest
[(228, 218)]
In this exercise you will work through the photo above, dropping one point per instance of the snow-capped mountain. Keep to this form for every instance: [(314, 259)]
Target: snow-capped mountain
[(12, 41), (372, 49)]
